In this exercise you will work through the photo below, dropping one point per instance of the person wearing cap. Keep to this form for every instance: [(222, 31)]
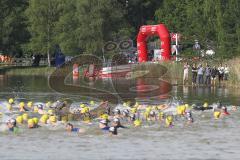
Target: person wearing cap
[(117, 113), (116, 123), (224, 111), (12, 125), (189, 117), (70, 128), (103, 125)]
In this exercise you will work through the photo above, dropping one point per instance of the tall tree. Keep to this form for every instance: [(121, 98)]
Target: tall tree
[(13, 32), (42, 18), (66, 28), (99, 21)]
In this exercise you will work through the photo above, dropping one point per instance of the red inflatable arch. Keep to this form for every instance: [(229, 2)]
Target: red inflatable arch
[(150, 30)]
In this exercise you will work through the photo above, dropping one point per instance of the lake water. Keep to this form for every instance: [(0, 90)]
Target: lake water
[(206, 138)]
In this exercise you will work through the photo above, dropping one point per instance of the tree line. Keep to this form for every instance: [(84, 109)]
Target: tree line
[(84, 26)]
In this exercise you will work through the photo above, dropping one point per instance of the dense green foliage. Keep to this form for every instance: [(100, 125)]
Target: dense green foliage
[(84, 26)]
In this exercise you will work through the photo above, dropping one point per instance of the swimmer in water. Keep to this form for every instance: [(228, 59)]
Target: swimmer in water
[(12, 125), (117, 113), (70, 128), (189, 117), (169, 121), (103, 125), (31, 124), (152, 115), (224, 111), (116, 123), (234, 108)]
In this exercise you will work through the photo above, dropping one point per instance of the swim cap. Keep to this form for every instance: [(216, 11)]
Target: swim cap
[(169, 120), (133, 110), (35, 109), (116, 120), (186, 105), (104, 116), (30, 122), (216, 114), (64, 118), (9, 107), (92, 102), (40, 106), (44, 118), (30, 104), (103, 121), (21, 104), (124, 104), (53, 119), (10, 101), (148, 109), (117, 111), (82, 105), (25, 116), (19, 119), (48, 104), (205, 105), (137, 123), (12, 121), (50, 112), (35, 120)]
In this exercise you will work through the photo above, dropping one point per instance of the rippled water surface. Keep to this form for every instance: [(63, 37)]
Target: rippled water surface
[(206, 138)]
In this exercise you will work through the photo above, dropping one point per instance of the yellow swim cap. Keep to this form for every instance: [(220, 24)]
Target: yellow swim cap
[(133, 110), (137, 123), (82, 105), (92, 102), (148, 109), (19, 119), (44, 118), (85, 110), (48, 104), (35, 109), (30, 104), (25, 116), (64, 118), (30, 122), (53, 119), (169, 120), (11, 101), (124, 104), (9, 107), (104, 116), (50, 112), (205, 105), (187, 106), (21, 104), (216, 114), (35, 120)]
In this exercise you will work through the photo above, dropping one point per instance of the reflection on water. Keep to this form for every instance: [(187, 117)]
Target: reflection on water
[(155, 90)]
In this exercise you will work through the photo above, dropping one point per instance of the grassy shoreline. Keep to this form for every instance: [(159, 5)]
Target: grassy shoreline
[(29, 71)]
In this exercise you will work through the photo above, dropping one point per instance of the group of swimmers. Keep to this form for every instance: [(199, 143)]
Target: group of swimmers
[(108, 122)]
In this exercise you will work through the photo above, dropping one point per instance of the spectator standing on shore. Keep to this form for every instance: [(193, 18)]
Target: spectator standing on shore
[(194, 74), (208, 75), (220, 73), (226, 72), (200, 74), (185, 73), (214, 73)]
